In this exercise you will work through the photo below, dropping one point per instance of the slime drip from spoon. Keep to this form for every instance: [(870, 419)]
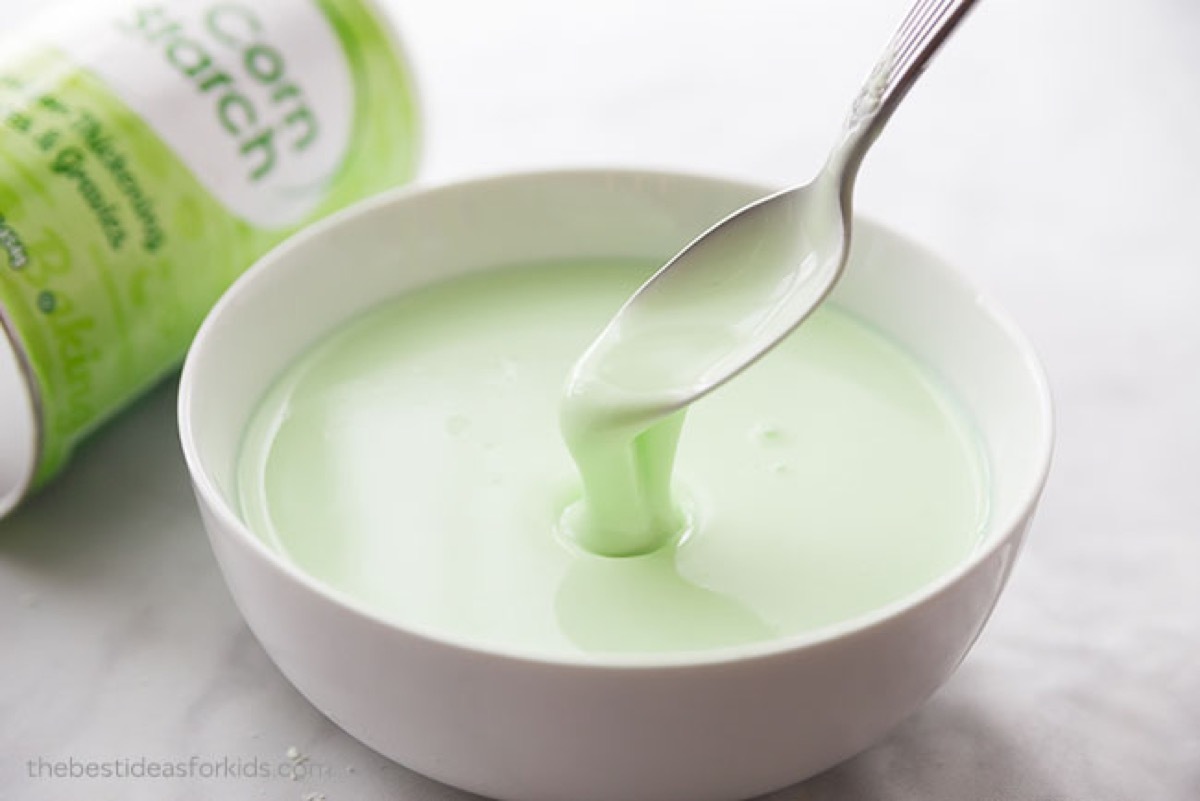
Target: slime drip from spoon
[(688, 329), (627, 508)]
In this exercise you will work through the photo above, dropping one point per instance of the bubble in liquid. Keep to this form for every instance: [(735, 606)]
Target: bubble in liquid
[(766, 434)]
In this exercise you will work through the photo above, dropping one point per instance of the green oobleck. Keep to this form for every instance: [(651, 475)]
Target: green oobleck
[(413, 462)]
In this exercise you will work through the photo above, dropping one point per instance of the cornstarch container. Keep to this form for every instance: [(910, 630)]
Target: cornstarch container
[(149, 153)]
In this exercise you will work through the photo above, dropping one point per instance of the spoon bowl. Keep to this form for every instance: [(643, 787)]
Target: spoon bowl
[(718, 305)]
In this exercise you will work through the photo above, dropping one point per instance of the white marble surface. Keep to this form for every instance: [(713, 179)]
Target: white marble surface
[(1051, 150)]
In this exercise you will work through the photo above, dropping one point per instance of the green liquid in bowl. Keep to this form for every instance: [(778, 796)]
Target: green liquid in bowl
[(413, 461)]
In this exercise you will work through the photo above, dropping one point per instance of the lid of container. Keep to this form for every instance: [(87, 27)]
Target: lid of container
[(18, 426)]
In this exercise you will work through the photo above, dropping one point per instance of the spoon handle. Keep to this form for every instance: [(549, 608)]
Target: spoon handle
[(924, 29)]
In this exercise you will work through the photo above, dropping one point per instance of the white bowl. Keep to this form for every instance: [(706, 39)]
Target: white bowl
[(732, 724)]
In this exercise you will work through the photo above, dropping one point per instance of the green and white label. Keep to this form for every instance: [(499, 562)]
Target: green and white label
[(253, 96), (151, 152)]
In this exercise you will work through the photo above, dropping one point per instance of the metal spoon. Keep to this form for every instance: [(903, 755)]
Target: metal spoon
[(743, 285)]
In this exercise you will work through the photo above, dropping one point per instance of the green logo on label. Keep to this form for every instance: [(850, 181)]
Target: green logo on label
[(259, 129)]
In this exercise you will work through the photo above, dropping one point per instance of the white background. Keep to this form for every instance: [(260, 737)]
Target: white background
[(1050, 151)]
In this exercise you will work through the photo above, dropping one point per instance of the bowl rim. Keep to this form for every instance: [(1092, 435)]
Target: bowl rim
[(232, 525)]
